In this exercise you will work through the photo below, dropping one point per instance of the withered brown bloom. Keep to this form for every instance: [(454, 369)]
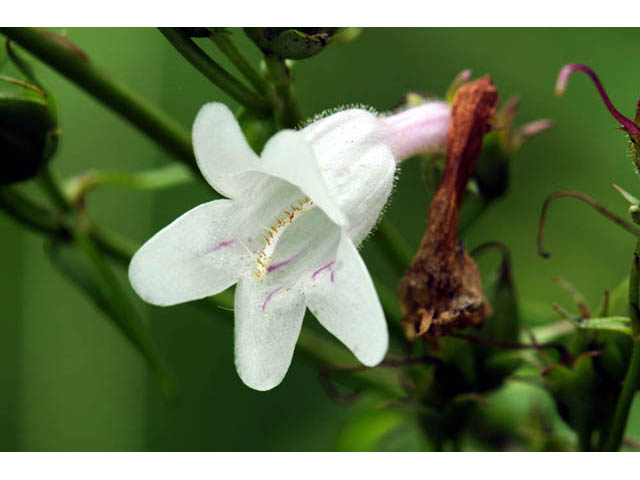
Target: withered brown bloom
[(442, 288)]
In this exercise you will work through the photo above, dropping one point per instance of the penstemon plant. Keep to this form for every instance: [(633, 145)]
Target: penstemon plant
[(293, 198)]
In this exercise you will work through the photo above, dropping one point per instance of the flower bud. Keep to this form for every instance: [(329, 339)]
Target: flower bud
[(295, 43), (28, 136), (492, 170)]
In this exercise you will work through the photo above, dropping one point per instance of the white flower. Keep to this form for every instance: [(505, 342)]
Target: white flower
[(287, 234)]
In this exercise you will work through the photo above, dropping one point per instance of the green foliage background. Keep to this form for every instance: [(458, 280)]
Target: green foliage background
[(68, 380)]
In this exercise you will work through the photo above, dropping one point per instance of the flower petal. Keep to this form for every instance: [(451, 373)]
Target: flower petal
[(342, 297), (268, 319), (195, 256), (357, 165), (362, 188), (289, 156), (221, 150)]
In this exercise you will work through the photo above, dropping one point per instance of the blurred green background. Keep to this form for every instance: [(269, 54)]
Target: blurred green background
[(68, 379)]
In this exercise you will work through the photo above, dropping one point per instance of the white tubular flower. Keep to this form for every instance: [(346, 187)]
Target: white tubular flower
[(287, 234)]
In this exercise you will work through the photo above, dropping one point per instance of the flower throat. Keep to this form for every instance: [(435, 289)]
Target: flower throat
[(274, 233)]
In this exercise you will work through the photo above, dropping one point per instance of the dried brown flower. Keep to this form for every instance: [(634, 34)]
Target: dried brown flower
[(442, 289)]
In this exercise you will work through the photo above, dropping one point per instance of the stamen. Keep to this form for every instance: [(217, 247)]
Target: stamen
[(561, 84), (275, 232)]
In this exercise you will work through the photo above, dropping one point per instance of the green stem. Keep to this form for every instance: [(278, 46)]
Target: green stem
[(289, 114), (623, 406), (60, 54), (395, 246), (52, 189), (153, 179), (632, 379), (227, 47), (214, 72), (118, 247), (30, 214)]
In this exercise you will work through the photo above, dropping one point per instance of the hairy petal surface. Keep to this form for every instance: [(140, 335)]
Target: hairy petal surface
[(342, 297), (356, 164), (268, 319), (195, 256)]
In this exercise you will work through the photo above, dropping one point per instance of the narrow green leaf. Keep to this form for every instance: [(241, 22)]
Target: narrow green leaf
[(611, 324)]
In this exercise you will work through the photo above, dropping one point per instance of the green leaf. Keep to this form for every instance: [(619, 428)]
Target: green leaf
[(83, 264), (371, 430), (610, 324)]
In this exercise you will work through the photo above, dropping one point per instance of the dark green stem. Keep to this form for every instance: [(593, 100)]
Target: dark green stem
[(30, 214), (214, 72), (623, 406), (227, 47), (73, 63), (52, 189), (288, 112), (632, 379)]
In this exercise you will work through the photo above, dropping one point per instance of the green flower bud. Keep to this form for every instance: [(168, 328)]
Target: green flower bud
[(28, 136), (492, 170), (295, 43)]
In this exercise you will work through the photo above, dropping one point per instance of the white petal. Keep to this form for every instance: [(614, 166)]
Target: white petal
[(221, 150), (356, 163), (339, 139), (268, 319), (362, 188), (289, 156), (195, 256), (343, 299)]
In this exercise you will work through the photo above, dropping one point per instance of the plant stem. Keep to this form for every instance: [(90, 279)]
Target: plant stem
[(214, 72), (51, 187), (118, 247), (394, 245), (632, 379), (289, 114), (228, 48), (623, 406), (30, 214), (70, 61), (152, 179)]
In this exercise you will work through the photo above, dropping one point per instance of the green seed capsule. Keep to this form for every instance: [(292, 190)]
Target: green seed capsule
[(28, 137), (294, 43)]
